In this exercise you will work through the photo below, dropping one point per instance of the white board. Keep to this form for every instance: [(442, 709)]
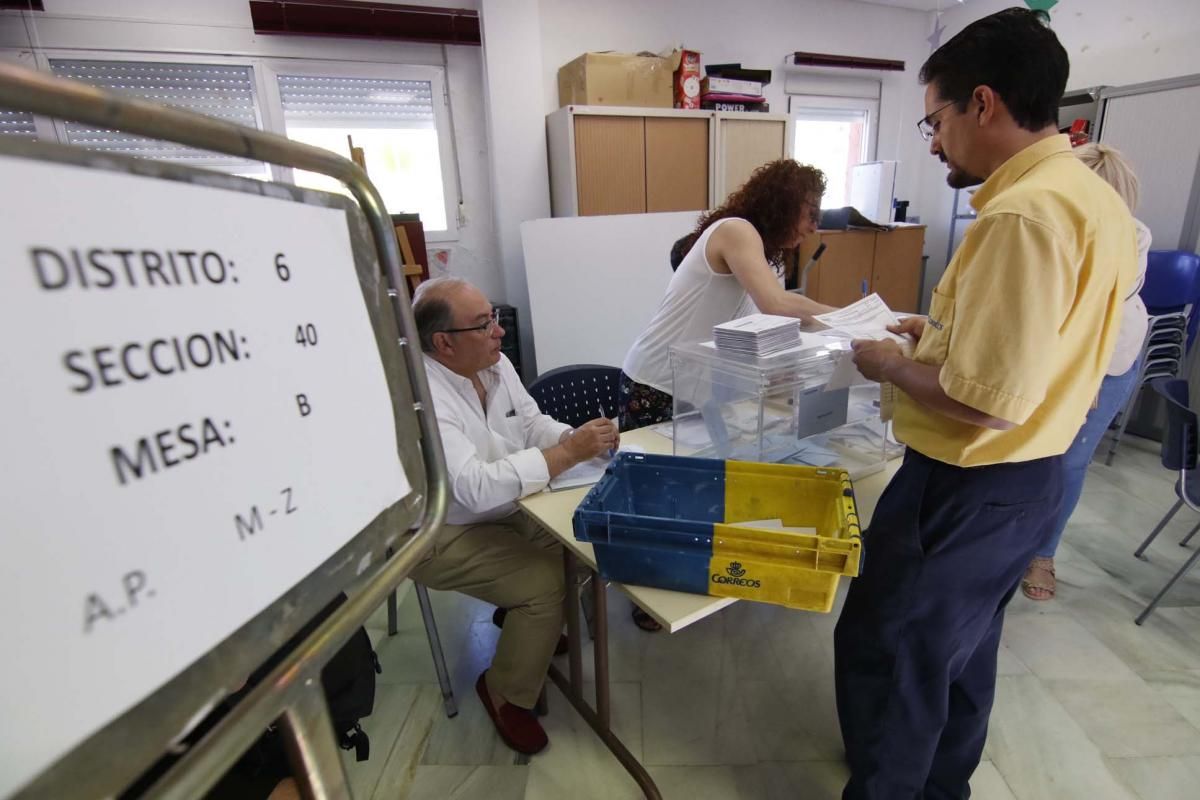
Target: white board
[(195, 416), (873, 189), (594, 282)]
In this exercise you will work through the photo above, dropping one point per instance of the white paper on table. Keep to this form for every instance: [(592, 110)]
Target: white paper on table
[(809, 340), (757, 323), (869, 318), (588, 472)]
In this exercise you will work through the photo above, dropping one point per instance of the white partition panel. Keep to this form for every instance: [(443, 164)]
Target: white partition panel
[(594, 282)]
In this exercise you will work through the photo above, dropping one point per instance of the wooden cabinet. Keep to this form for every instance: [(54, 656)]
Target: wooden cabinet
[(896, 273), (677, 163), (745, 142), (610, 165), (606, 160), (887, 263)]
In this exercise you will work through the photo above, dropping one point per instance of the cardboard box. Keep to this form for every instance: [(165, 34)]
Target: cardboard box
[(711, 85), (687, 79), (616, 79)]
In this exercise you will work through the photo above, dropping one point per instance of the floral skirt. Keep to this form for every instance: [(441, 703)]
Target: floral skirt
[(640, 405)]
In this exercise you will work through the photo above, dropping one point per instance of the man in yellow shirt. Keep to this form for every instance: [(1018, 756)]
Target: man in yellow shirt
[(1019, 335)]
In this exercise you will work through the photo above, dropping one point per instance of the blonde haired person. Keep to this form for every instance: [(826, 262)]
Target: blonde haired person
[(1118, 384)]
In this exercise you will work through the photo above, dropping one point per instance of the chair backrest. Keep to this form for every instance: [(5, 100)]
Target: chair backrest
[(1173, 284), (576, 393), (1172, 279), (1179, 443)]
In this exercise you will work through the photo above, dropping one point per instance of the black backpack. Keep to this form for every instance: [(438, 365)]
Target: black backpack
[(349, 683)]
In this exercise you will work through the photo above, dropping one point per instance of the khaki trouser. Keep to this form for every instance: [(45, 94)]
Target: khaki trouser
[(513, 564)]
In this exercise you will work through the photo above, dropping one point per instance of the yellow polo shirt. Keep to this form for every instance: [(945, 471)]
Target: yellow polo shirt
[(1025, 318)]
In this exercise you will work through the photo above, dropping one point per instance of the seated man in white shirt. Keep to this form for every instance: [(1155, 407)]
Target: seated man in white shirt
[(499, 447)]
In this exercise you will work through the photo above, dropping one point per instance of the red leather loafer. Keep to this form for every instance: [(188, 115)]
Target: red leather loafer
[(517, 726)]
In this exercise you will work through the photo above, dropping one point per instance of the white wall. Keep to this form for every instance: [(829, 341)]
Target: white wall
[(517, 132), (1110, 43), (757, 34), (176, 28)]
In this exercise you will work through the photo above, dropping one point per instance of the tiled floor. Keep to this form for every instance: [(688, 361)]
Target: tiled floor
[(740, 705)]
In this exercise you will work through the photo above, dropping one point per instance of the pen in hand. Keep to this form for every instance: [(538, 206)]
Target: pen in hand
[(611, 452)]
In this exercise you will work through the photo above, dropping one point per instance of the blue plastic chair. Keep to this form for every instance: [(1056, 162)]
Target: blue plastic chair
[(1179, 455), (1173, 286), (575, 394), (1171, 293)]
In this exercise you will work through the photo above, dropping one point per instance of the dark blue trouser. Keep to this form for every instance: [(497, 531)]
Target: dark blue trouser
[(917, 639)]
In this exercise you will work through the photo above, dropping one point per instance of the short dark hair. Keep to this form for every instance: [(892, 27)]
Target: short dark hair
[(1014, 53)]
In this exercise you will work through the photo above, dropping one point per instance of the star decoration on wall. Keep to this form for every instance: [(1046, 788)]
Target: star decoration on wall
[(935, 38)]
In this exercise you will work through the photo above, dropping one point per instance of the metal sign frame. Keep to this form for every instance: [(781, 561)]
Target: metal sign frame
[(116, 755)]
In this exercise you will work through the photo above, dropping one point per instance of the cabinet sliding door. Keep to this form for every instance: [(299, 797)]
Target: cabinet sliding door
[(610, 164)]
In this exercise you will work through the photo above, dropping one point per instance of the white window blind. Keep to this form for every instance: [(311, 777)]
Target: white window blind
[(225, 92), (17, 123), (339, 102), (393, 118)]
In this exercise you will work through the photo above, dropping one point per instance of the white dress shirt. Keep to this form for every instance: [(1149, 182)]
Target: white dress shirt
[(493, 459)]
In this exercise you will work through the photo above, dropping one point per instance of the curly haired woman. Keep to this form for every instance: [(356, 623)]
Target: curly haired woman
[(732, 253)]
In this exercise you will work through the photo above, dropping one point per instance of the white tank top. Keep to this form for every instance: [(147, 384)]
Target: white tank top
[(697, 298)]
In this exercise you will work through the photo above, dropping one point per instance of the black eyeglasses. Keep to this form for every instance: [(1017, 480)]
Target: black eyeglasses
[(926, 126), (487, 327)]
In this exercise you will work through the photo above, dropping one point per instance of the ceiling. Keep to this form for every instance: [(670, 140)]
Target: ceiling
[(917, 5)]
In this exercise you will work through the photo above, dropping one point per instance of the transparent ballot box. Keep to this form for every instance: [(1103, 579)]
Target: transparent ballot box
[(748, 408), (776, 409), (861, 448)]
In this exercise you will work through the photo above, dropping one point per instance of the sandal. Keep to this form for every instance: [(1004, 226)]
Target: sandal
[(645, 621), (1038, 583)]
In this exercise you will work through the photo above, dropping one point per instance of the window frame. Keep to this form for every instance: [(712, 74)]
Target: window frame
[(44, 126), (811, 103), (272, 68), (268, 107), (807, 107), (46, 55)]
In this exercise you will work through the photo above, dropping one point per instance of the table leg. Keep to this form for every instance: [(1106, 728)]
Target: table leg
[(574, 640), (598, 719), (600, 648)]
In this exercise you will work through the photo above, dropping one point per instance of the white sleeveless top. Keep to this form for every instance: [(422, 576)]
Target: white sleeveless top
[(697, 298)]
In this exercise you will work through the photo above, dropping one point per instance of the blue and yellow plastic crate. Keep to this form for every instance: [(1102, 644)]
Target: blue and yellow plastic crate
[(666, 521)]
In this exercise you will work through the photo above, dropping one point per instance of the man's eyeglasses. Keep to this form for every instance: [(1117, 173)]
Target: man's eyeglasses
[(487, 327), (926, 126)]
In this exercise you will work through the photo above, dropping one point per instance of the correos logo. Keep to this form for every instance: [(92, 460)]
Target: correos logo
[(735, 577)]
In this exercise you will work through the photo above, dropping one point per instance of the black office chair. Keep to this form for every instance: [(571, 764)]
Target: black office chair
[(1178, 453), (575, 394)]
